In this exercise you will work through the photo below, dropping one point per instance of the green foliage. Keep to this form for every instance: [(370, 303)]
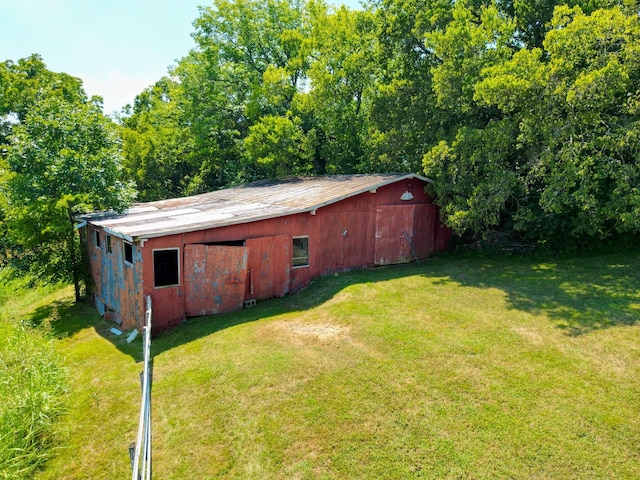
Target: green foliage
[(335, 110), (27, 80), (277, 147), (247, 66), (571, 159), (33, 387), (63, 159), (480, 176), (263, 70), (405, 119), (158, 146), (468, 44)]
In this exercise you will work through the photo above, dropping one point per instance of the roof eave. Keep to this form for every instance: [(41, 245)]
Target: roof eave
[(311, 208)]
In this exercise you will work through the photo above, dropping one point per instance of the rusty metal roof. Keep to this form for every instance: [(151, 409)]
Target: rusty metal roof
[(242, 204)]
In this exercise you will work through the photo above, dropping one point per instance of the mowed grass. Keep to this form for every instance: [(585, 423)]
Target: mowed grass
[(457, 368)]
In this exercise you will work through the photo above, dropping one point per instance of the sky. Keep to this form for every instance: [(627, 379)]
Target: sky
[(117, 47)]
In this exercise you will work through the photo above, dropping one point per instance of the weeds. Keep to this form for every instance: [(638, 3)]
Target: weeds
[(32, 391)]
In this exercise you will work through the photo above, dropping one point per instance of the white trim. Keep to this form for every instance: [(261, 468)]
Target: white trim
[(124, 253), (153, 258), (292, 257)]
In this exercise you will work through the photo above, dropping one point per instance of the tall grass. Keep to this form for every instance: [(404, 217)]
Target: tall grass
[(32, 383)]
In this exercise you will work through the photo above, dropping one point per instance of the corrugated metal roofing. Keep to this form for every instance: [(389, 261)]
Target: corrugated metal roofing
[(243, 204)]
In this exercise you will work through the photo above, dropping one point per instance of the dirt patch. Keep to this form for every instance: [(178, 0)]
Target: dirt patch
[(320, 331), (529, 334), (325, 333)]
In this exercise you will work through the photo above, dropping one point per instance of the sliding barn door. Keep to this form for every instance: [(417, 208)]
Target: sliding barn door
[(269, 267), (394, 232), (404, 233), (214, 278)]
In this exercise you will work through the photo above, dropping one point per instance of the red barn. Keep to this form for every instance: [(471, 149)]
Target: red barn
[(220, 251)]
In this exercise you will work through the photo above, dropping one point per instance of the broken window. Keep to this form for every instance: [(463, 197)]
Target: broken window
[(109, 249), (166, 268), (98, 241), (128, 252), (300, 252)]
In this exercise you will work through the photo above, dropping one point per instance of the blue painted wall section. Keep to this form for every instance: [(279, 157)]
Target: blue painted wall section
[(117, 290)]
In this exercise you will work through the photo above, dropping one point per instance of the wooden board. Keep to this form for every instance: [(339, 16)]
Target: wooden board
[(214, 278), (269, 267), (394, 231)]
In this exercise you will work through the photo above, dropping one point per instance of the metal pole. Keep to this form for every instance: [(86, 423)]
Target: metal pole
[(141, 421), (142, 456)]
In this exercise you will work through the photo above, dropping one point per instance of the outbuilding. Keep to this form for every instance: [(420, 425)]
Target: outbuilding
[(227, 249)]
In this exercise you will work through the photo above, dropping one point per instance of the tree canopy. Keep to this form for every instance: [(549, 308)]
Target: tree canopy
[(61, 157), (558, 157), (525, 114)]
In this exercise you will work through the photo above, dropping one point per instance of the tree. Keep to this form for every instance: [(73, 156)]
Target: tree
[(158, 144), (405, 119), (23, 82), (570, 170), (277, 147), (247, 65), (63, 160), (474, 177), (335, 108)]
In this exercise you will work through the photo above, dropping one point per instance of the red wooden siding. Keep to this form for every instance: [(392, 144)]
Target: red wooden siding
[(372, 228), (337, 237), (424, 227)]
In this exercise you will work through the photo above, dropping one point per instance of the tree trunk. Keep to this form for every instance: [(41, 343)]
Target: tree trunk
[(71, 250)]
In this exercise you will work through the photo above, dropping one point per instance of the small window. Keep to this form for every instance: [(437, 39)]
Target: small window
[(166, 268), (300, 252), (128, 252), (109, 248), (98, 239)]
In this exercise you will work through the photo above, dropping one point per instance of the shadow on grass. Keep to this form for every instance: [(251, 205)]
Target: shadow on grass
[(66, 317), (320, 291), (580, 294)]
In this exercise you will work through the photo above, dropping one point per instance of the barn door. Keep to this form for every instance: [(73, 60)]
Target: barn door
[(214, 278), (424, 227), (394, 233), (269, 267)]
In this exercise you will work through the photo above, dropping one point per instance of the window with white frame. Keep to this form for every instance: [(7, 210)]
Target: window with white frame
[(300, 252), (128, 252), (166, 267)]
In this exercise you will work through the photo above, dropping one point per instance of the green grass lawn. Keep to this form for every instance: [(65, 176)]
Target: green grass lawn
[(458, 368)]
